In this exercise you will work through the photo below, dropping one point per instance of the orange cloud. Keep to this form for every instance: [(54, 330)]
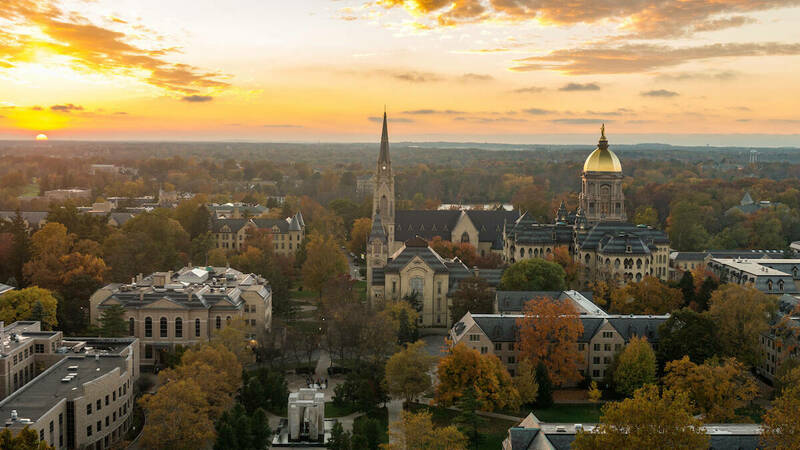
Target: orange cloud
[(602, 59), (93, 48), (644, 18)]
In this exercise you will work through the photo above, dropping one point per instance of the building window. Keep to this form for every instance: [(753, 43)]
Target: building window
[(39, 348), (511, 346), (484, 350), (148, 327), (607, 347), (131, 327), (474, 337), (512, 360), (439, 287), (88, 409), (148, 351), (219, 322), (498, 346), (608, 334), (465, 237), (596, 373), (596, 360), (163, 327), (197, 327), (179, 327), (89, 430), (417, 285), (597, 347)]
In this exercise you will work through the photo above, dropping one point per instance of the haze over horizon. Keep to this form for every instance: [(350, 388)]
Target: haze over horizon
[(694, 72)]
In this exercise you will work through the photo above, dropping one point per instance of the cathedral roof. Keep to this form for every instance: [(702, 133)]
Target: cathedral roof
[(377, 230), (602, 159), (431, 223), (384, 155)]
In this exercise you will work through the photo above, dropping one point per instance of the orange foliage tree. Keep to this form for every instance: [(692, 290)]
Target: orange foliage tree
[(649, 296), (464, 368), (572, 268), (549, 333)]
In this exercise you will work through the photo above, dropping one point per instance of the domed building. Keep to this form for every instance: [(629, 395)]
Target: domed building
[(601, 197)]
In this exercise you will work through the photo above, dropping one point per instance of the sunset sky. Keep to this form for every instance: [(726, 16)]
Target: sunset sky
[(520, 71)]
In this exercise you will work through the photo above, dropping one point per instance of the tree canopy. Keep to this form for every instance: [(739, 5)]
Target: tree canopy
[(534, 275)]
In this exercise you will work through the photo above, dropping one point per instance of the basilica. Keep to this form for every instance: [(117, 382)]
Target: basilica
[(597, 234)]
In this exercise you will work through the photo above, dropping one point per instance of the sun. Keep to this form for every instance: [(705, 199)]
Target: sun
[(41, 137)]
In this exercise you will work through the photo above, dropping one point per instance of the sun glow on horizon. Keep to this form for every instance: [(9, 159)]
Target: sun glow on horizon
[(41, 137)]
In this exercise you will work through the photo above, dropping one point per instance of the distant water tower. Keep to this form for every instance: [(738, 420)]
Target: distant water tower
[(753, 157)]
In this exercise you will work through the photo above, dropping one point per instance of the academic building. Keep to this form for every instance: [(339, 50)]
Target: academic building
[(287, 234), (603, 336), (186, 307), (74, 392)]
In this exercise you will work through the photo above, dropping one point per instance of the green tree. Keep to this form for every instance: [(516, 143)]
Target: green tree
[(544, 395), (236, 430), (525, 381), (27, 304), (686, 285), (636, 366), (686, 226), (112, 322), (687, 333), (646, 215), (407, 372), (468, 421), (369, 429), (534, 275), (650, 420), (340, 439)]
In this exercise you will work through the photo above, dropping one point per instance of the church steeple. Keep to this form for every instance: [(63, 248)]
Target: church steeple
[(383, 158)]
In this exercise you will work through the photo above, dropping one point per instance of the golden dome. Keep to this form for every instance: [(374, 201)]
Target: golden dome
[(602, 159)]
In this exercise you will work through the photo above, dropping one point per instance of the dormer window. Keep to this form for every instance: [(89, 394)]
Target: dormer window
[(628, 249)]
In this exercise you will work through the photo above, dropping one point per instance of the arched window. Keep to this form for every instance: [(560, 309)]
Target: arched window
[(148, 327), (616, 263), (587, 258), (219, 322), (780, 285), (530, 252), (639, 263), (465, 237), (536, 252), (131, 327), (178, 327), (417, 285), (521, 252), (638, 277), (163, 327), (769, 285), (227, 320), (794, 273), (197, 327)]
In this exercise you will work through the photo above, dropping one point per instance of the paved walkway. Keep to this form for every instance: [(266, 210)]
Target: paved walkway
[(395, 408)]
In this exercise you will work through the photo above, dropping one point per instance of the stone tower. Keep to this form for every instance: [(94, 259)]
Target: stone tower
[(383, 197), (601, 197)]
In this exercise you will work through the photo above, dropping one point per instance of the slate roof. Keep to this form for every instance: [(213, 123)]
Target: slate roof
[(284, 225), (503, 327), (234, 224), (599, 236), (378, 276), (623, 243), (526, 231), (431, 223), (32, 217), (408, 252), (510, 302), (377, 230)]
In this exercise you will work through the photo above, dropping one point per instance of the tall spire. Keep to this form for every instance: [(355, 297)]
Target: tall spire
[(384, 156)]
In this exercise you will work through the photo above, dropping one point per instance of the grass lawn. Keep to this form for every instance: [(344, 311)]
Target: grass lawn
[(361, 289), (31, 190), (333, 410), (493, 430), (569, 413), (294, 293)]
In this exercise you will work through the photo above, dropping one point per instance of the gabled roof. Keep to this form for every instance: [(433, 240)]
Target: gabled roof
[(412, 250), (593, 239)]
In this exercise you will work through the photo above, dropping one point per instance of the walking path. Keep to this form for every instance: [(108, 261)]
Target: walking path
[(395, 408)]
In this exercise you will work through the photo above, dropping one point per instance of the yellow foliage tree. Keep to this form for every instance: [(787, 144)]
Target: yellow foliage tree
[(781, 429), (742, 315), (407, 371), (649, 296), (650, 420), (525, 381), (177, 417), (215, 370), (31, 303), (464, 368), (324, 261), (717, 387), (236, 337), (416, 431), (358, 235)]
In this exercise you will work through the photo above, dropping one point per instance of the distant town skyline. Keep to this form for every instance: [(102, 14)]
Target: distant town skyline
[(685, 72)]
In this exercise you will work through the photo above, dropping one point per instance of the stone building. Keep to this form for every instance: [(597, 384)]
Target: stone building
[(82, 393), (603, 336), (770, 276), (166, 309), (596, 234), (416, 269), (26, 350), (287, 234)]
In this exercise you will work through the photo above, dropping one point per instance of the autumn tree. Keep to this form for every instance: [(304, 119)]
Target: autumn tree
[(177, 416), (717, 387), (573, 270), (358, 235), (405, 319), (324, 260), (473, 295), (742, 314), (594, 392), (549, 332), (24, 439), (464, 368), (649, 296), (646, 215), (112, 322), (31, 303), (651, 419), (686, 225), (636, 366), (687, 333), (781, 429), (525, 382), (416, 431), (215, 370), (407, 372), (534, 275), (235, 337)]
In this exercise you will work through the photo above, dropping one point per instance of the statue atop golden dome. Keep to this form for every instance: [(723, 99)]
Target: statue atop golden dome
[(602, 159)]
